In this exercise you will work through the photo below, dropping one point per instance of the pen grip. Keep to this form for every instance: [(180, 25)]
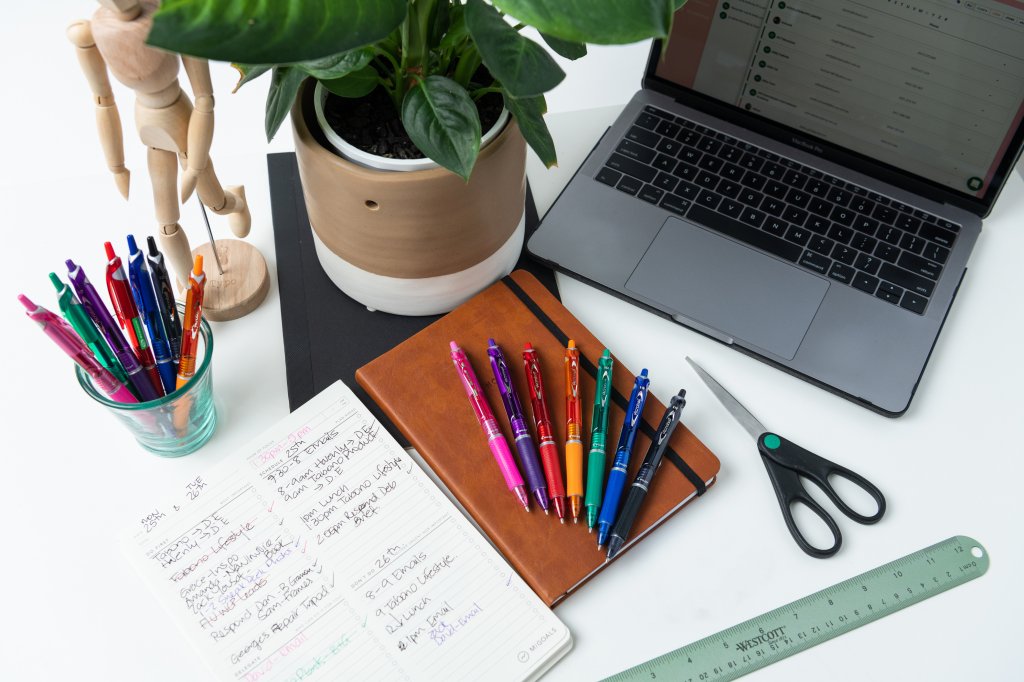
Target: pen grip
[(507, 465), (574, 468), (612, 497), (630, 508), (595, 476), (552, 468), (529, 460)]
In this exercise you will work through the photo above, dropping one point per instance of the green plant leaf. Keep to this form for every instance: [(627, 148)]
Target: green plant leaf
[(248, 72), (605, 22), (523, 67), (567, 49), (356, 84), (442, 121), (284, 84), (457, 31), (337, 65), (529, 113), (272, 32)]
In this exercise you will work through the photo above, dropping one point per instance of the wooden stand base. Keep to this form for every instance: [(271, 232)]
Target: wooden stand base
[(241, 288)]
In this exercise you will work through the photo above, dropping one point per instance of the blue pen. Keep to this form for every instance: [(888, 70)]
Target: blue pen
[(165, 297), (617, 477), (146, 301)]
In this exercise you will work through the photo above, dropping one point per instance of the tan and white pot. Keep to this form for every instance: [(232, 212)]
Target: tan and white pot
[(417, 242)]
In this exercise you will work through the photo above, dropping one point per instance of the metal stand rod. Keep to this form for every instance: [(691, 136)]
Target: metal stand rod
[(209, 231)]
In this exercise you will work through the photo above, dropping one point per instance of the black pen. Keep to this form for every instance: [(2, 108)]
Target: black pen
[(652, 461)]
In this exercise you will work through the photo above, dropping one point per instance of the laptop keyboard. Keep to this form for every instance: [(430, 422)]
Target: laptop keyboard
[(815, 220)]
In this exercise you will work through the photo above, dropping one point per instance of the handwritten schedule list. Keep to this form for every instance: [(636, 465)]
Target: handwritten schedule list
[(327, 553)]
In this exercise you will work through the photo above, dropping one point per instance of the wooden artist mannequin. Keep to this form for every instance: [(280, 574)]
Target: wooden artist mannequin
[(174, 133)]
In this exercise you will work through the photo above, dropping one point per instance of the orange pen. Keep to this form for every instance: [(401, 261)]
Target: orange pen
[(190, 323), (573, 431)]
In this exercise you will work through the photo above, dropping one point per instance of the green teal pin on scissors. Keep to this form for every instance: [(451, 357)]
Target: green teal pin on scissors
[(786, 462)]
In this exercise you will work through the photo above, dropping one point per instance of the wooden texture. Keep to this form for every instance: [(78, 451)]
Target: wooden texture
[(123, 45), (411, 224), (243, 284)]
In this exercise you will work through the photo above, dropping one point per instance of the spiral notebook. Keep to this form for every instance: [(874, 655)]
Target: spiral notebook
[(324, 552), (417, 387)]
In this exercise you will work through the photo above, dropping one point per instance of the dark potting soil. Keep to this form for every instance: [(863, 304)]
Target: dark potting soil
[(373, 125)]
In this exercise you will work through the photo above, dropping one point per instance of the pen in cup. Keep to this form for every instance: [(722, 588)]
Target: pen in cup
[(146, 300)]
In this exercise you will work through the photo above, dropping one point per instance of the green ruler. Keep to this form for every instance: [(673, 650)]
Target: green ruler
[(819, 617)]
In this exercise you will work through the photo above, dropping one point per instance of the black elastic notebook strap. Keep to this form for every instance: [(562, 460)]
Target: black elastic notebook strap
[(591, 369)]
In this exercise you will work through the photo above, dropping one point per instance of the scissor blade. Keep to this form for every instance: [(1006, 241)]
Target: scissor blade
[(740, 413)]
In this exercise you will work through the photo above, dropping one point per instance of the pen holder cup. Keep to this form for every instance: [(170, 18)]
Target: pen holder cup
[(178, 423)]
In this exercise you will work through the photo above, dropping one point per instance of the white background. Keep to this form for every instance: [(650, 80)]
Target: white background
[(73, 478)]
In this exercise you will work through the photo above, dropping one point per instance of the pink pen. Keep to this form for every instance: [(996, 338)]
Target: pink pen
[(495, 438), (69, 342)]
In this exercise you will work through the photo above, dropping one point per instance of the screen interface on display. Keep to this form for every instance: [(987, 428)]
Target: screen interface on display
[(935, 88)]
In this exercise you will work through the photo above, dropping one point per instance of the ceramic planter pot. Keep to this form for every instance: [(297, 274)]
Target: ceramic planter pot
[(416, 242)]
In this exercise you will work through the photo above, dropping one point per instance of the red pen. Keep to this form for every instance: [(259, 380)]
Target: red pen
[(128, 317), (549, 458)]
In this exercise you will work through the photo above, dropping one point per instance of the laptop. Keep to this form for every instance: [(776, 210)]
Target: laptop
[(805, 181)]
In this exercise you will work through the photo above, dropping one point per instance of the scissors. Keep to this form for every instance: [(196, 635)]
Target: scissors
[(786, 462)]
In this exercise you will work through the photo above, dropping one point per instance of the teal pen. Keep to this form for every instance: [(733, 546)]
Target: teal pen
[(620, 468), (598, 435)]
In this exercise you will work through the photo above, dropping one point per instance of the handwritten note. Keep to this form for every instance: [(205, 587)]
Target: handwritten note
[(327, 553)]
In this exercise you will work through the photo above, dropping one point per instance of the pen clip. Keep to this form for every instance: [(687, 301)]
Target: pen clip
[(462, 365)]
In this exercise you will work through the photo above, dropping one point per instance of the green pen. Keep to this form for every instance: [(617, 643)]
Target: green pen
[(75, 314), (598, 434)]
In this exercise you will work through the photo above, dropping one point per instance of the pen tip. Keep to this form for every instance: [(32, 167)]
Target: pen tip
[(25, 301), (606, 354), (55, 280), (643, 372), (109, 249), (70, 263), (132, 246), (600, 547), (590, 530), (572, 344), (562, 521), (197, 269), (527, 346), (151, 243), (575, 521), (491, 343), (547, 513), (453, 346), (527, 508)]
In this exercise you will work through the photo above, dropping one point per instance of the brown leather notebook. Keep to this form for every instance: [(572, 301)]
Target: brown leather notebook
[(417, 386)]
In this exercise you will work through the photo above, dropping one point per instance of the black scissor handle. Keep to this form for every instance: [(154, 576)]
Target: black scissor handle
[(788, 454), (789, 490)]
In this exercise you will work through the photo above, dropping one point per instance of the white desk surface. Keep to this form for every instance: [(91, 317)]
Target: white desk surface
[(73, 478)]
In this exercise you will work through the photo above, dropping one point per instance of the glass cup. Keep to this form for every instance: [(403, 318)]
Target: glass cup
[(178, 423)]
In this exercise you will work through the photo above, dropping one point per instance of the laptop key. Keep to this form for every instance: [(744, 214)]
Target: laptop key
[(664, 162), (647, 121), (878, 198), (685, 171), (775, 226), (842, 215), (817, 188), (912, 243), (644, 137), (887, 295), (629, 185), (907, 280), (630, 167), (754, 180), (948, 225), (651, 194), (887, 252), (864, 242), (890, 235), (840, 234), (775, 189), (669, 146), (666, 182), (798, 235), (798, 198), (816, 262), (608, 176), (730, 153), (753, 217), (795, 178), (709, 145), (751, 198), (733, 172), (773, 171), (795, 215), (862, 205), (884, 214), (820, 206), (689, 137), (708, 199), (731, 208), (635, 150), (744, 233), (729, 188), (842, 273), (844, 254), (818, 224), (867, 263), (937, 234), (689, 154), (657, 112), (711, 163), (773, 206), (751, 162), (907, 222), (920, 265), (865, 282), (838, 196), (865, 225), (933, 251), (822, 245), (914, 302), (706, 179), (668, 128), (675, 203)]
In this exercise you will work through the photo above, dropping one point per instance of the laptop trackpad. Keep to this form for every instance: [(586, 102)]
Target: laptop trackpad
[(729, 287)]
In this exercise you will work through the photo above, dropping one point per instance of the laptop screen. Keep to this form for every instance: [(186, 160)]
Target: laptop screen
[(932, 87)]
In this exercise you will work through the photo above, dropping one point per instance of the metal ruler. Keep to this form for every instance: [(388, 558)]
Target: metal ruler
[(819, 617)]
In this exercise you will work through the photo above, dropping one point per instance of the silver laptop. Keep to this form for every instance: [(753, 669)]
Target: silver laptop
[(805, 180)]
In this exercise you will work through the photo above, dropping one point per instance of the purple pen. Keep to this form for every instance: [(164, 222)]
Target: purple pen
[(99, 314), (529, 460)]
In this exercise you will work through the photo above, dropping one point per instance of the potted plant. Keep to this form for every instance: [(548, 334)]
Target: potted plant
[(370, 83)]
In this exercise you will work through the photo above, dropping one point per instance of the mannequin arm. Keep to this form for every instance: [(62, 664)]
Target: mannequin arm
[(200, 124), (108, 122)]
